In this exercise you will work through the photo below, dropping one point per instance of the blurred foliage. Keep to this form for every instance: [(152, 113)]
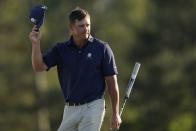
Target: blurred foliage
[(158, 34)]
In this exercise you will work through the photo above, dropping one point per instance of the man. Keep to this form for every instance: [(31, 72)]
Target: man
[(83, 63)]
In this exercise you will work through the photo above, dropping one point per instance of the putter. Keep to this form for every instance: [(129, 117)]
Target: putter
[(129, 87)]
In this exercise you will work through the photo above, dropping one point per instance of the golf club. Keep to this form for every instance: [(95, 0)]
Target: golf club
[(129, 87)]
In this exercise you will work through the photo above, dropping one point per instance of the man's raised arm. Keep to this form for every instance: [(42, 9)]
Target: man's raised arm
[(37, 60)]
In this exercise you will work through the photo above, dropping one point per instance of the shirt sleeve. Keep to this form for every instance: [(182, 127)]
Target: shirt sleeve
[(50, 57), (109, 65)]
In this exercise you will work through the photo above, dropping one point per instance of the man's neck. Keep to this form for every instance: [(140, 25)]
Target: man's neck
[(79, 42)]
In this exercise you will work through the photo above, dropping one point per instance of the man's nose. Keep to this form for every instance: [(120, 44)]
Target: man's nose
[(85, 28)]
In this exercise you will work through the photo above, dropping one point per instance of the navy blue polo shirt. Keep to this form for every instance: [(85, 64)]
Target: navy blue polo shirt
[(81, 71)]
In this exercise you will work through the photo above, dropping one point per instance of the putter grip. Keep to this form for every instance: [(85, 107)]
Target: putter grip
[(135, 70), (132, 79)]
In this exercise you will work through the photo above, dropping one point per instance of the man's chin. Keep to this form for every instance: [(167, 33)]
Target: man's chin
[(85, 36)]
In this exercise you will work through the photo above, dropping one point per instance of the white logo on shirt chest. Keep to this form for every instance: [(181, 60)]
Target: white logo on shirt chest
[(89, 55)]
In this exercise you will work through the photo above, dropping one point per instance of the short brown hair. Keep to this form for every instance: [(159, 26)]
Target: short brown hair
[(77, 14)]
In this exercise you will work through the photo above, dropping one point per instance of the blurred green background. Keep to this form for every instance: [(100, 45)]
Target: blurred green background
[(160, 34)]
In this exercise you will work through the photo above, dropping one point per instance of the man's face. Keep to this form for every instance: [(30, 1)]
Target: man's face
[(81, 29)]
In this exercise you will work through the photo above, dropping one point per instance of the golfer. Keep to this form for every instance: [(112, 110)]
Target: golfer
[(84, 65)]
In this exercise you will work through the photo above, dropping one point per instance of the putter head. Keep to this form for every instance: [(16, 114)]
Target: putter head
[(36, 15)]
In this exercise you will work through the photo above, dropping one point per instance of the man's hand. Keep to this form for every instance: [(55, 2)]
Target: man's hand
[(115, 121), (34, 36)]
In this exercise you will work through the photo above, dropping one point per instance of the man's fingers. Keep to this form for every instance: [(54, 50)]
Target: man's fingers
[(115, 125), (34, 28), (116, 121)]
